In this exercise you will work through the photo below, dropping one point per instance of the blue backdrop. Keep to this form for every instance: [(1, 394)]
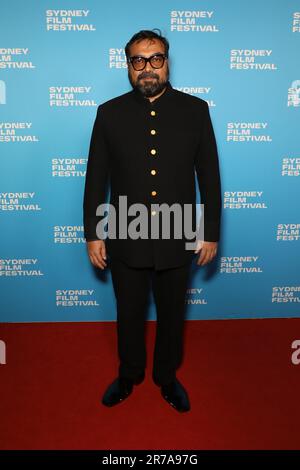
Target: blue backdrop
[(59, 60)]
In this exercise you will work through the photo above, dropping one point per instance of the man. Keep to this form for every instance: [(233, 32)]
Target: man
[(148, 143)]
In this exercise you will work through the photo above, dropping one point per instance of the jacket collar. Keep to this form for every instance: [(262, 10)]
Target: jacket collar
[(145, 101)]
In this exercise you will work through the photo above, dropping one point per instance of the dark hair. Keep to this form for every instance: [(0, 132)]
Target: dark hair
[(147, 34)]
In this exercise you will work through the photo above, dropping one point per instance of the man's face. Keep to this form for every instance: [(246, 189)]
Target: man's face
[(149, 81)]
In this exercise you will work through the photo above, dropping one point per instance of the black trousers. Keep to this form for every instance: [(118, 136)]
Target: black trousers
[(132, 287)]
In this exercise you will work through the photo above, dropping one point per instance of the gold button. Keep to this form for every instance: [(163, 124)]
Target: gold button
[(153, 131), (153, 193), (153, 151), (153, 172), (153, 113), (153, 212)]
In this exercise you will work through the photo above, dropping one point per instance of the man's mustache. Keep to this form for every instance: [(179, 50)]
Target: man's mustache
[(147, 75)]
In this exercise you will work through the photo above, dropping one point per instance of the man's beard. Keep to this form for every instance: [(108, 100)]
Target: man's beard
[(149, 88)]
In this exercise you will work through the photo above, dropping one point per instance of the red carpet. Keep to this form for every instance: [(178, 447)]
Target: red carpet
[(243, 387)]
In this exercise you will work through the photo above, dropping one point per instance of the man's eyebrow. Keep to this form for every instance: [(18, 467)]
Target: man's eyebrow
[(154, 53)]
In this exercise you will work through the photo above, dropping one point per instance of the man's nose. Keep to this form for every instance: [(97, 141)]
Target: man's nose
[(148, 67)]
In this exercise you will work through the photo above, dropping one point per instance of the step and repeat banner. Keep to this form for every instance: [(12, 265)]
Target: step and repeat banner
[(59, 60)]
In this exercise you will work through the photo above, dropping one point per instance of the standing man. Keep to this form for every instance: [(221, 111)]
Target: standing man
[(148, 143)]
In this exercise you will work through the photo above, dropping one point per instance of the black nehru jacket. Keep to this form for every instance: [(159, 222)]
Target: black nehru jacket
[(151, 152)]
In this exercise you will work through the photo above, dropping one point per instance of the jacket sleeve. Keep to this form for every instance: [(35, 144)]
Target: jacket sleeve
[(96, 178), (208, 175)]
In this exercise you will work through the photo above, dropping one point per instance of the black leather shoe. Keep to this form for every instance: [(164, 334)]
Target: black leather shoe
[(175, 394), (120, 389)]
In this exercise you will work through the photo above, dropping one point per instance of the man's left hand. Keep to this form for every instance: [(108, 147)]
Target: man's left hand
[(208, 251)]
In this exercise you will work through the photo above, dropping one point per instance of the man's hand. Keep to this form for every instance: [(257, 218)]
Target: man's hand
[(208, 251), (97, 253)]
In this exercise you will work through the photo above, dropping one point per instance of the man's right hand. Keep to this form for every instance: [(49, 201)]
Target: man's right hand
[(97, 253)]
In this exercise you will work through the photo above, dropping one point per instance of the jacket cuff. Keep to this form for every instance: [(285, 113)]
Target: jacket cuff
[(90, 224), (211, 231)]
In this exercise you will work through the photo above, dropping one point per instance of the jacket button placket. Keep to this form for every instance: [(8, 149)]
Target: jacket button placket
[(153, 159), (153, 153)]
